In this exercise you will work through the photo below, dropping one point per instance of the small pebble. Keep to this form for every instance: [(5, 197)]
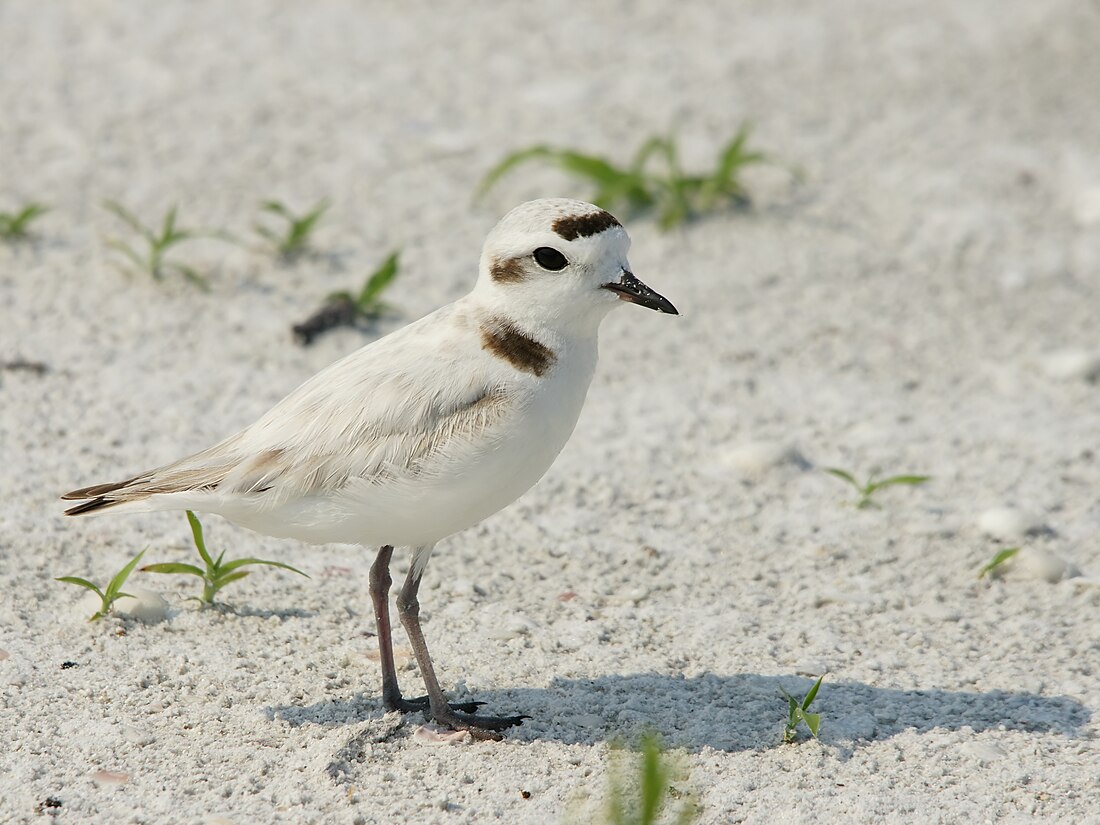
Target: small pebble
[(110, 778), (1043, 565), (1072, 365), (1006, 523), (432, 735), (146, 606), (757, 457)]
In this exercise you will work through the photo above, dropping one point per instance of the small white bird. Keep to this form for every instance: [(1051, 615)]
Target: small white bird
[(428, 430)]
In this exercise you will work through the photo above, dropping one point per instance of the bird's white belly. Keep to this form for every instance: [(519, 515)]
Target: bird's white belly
[(447, 496)]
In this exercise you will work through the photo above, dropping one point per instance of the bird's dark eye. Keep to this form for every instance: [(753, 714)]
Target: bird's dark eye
[(549, 258)]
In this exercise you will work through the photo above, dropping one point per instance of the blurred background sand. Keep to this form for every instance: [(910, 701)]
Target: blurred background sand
[(924, 300)]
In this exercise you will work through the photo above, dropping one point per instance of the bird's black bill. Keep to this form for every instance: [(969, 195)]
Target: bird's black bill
[(631, 289)]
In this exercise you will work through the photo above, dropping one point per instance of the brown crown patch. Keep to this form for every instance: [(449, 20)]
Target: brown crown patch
[(507, 270), (504, 340), (572, 227)]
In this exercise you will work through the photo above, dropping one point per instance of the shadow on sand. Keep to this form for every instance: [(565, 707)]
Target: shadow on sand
[(731, 713)]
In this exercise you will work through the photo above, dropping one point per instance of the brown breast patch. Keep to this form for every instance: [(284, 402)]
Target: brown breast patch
[(504, 340)]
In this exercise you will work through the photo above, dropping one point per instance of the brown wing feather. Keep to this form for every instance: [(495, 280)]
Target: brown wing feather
[(90, 506), (100, 489)]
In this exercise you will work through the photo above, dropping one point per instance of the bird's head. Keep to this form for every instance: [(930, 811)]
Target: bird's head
[(561, 263)]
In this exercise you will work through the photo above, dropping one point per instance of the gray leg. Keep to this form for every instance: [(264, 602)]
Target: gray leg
[(380, 582), (408, 608)]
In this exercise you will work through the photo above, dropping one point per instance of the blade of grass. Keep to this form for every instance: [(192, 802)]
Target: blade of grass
[(999, 559), (812, 693), (221, 581), (196, 534), (653, 780), (120, 577), (120, 212), (896, 480), (233, 565), (846, 476), (81, 582), (812, 720), (378, 281)]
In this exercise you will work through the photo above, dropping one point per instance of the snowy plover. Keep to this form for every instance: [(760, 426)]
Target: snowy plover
[(428, 430)]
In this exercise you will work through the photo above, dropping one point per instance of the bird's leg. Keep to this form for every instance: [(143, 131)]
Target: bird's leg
[(408, 608), (380, 582)]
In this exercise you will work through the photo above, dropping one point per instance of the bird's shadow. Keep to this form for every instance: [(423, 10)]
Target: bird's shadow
[(732, 713)]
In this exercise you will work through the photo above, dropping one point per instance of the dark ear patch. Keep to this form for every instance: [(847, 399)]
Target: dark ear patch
[(572, 227), (504, 340), (507, 270)]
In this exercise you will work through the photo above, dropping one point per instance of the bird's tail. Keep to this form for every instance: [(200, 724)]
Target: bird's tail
[(198, 474), (101, 496)]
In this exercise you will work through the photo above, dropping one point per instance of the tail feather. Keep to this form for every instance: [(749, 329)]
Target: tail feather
[(91, 506), (172, 479), (97, 490)]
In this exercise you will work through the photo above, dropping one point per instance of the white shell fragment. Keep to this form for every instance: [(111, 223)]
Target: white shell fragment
[(146, 605), (1072, 365), (757, 457), (1006, 523), (1042, 565)]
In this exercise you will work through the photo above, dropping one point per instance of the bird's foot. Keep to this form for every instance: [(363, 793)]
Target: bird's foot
[(420, 704), (479, 727)]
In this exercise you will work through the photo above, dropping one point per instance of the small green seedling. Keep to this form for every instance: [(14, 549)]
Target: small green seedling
[(344, 309), (867, 490), (114, 587), (294, 239), (994, 566), (15, 226), (158, 243), (675, 196), (217, 574), (798, 710), (646, 799)]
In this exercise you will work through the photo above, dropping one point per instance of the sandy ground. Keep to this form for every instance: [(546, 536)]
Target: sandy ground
[(925, 301)]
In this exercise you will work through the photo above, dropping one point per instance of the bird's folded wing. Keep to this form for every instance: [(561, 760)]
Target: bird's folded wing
[(326, 454), (343, 424)]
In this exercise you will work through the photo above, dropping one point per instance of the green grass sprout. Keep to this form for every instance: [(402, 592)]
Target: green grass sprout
[(113, 591), (993, 567), (647, 798), (15, 226), (295, 236), (217, 573), (798, 711), (653, 179), (868, 489), (153, 259), (345, 309)]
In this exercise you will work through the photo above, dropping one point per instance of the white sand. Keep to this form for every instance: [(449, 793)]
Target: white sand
[(899, 310)]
